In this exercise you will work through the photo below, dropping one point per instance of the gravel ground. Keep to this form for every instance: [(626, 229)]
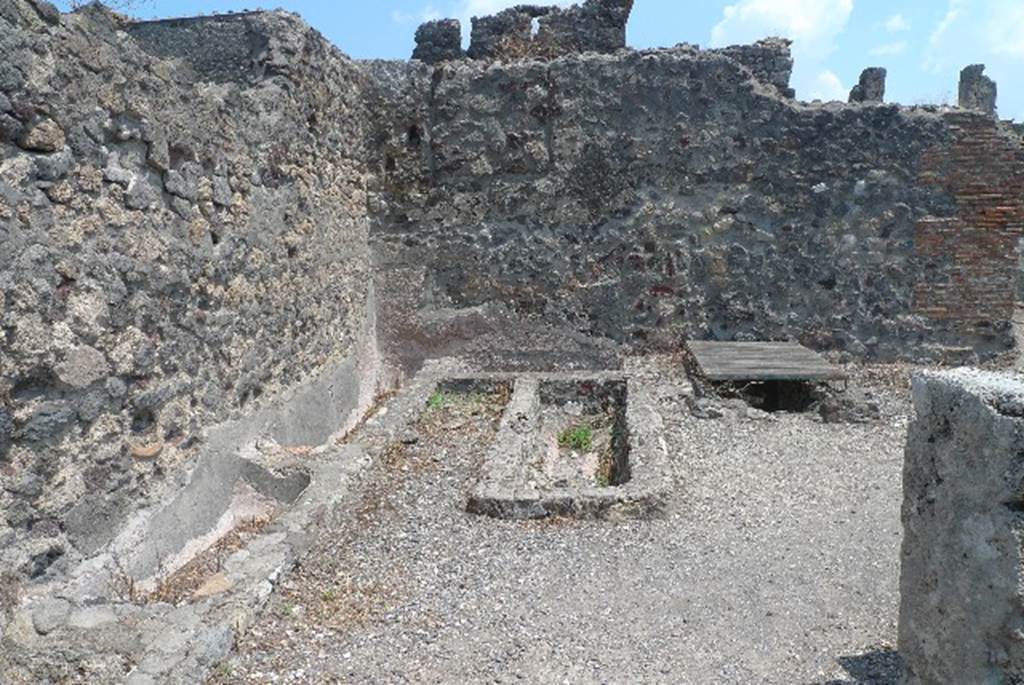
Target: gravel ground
[(778, 563)]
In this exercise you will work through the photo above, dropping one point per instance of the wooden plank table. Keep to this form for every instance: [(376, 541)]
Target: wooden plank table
[(762, 361)]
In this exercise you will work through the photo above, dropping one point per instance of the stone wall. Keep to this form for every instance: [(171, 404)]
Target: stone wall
[(649, 197), (963, 516), (179, 248), (224, 48)]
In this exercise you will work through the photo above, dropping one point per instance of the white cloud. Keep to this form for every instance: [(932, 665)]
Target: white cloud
[(828, 86), (1006, 32), (897, 24), (813, 25), (934, 58), (976, 31), (889, 49), (981, 32)]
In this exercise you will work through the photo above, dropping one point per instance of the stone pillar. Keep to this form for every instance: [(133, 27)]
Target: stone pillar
[(438, 41), (977, 91), (871, 87), (961, 586)]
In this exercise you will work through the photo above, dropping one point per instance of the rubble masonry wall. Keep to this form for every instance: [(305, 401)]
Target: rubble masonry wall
[(651, 197), (178, 250)]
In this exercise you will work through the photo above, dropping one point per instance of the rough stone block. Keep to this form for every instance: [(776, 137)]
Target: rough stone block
[(49, 420), (54, 167), (871, 87), (977, 91), (44, 135), (158, 156), (962, 608), (82, 367), (50, 615), (439, 41), (10, 128), (222, 194), (140, 195), (184, 182)]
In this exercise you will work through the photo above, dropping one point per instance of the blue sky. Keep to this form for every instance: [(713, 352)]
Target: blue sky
[(923, 43)]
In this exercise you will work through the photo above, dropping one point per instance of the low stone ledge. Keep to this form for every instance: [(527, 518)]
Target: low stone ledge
[(182, 643)]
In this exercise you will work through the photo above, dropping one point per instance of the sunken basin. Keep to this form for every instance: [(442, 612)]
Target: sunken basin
[(575, 446)]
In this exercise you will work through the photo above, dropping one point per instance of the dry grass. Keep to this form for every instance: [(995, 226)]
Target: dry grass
[(379, 402), (335, 590), (179, 587)]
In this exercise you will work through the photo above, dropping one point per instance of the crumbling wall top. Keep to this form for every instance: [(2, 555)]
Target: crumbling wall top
[(439, 41), (221, 48), (871, 87), (770, 60), (508, 34), (530, 31), (977, 91), (547, 32), (595, 26)]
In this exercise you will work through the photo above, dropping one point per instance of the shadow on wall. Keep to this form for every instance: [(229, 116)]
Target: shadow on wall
[(878, 667)]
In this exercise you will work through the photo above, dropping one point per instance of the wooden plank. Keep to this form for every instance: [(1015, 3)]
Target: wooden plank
[(762, 361)]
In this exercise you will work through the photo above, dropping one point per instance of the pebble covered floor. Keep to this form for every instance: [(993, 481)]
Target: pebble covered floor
[(777, 563)]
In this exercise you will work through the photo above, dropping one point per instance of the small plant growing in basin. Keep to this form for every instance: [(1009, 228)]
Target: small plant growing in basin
[(578, 438), (437, 401)]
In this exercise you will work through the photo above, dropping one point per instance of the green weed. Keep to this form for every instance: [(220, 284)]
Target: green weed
[(438, 400), (577, 438)]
